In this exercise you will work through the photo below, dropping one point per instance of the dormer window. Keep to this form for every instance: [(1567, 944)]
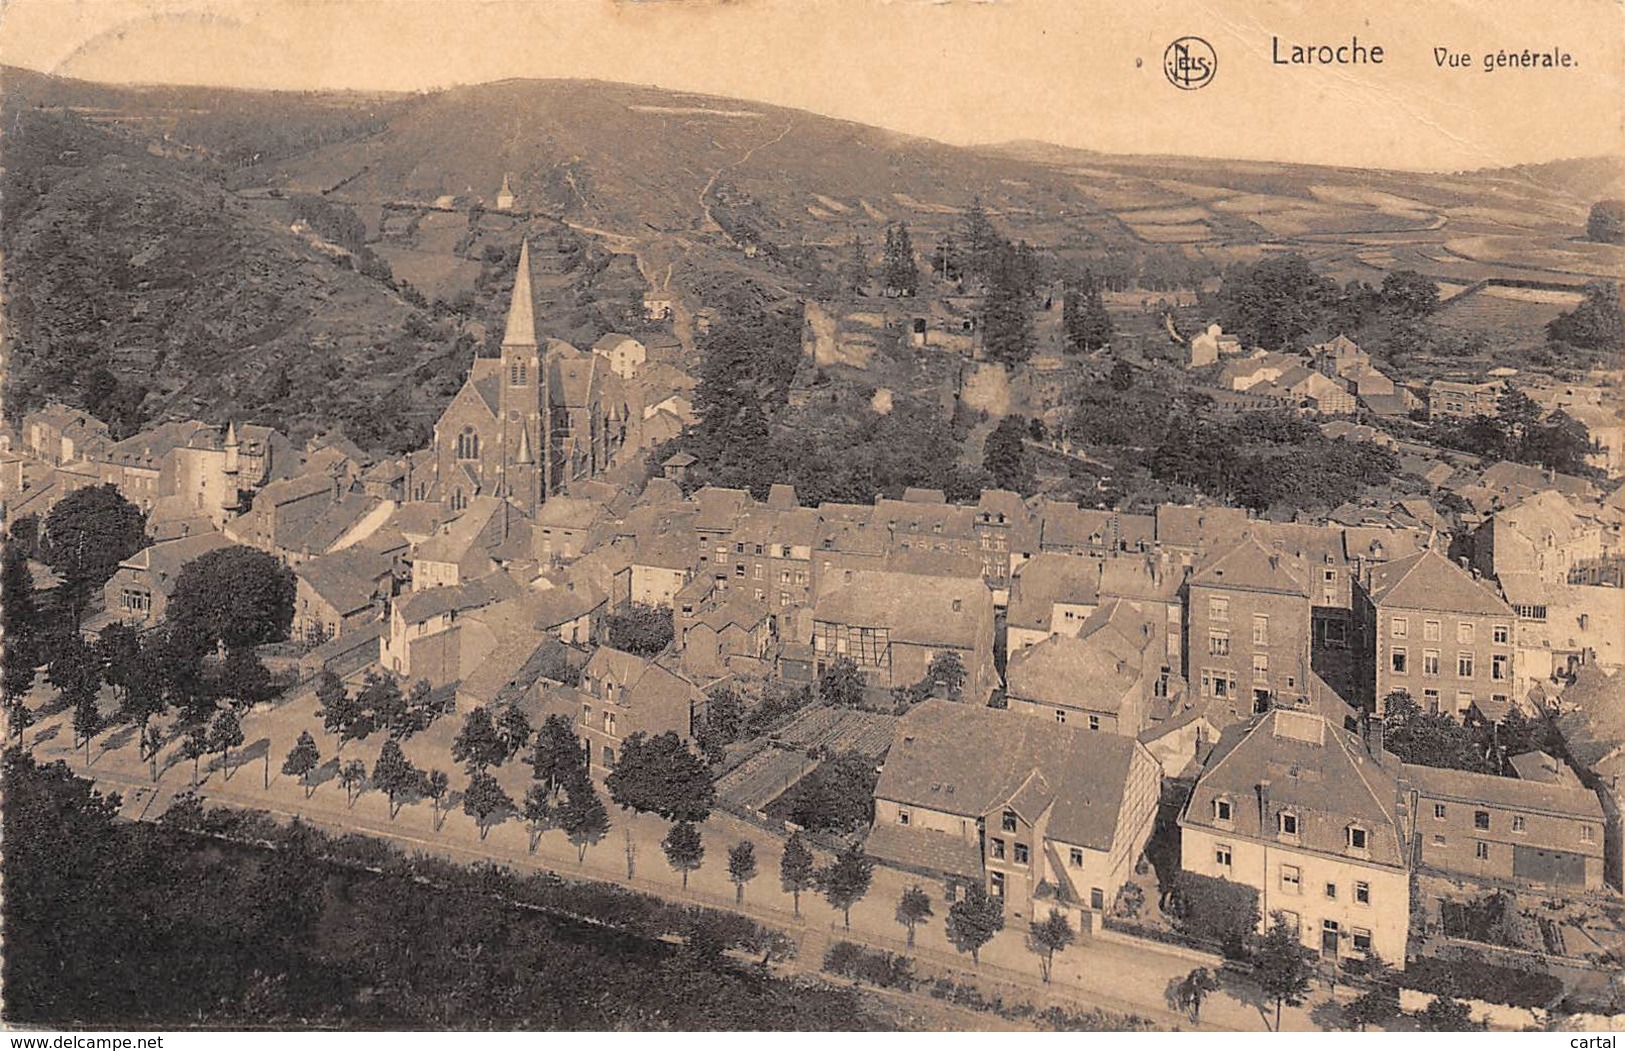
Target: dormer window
[(1358, 838), (1007, 821), (1223, 810), (1286, 823)]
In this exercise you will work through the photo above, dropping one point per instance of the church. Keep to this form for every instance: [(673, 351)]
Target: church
[(526, 424)]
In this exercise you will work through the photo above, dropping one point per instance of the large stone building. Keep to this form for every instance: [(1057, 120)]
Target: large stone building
[(525, 424)]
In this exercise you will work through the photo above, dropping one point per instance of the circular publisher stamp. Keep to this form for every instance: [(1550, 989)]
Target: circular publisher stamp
[(1190, 63)]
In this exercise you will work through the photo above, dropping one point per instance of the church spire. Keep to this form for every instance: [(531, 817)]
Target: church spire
[(525, 455), (521, 329)]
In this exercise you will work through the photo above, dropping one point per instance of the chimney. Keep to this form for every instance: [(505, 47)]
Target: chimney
[(1263, 804), (1275, 560)]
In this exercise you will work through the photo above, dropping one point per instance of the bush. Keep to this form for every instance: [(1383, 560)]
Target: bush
[(1216, 911), (1474, 978), (875, 966)]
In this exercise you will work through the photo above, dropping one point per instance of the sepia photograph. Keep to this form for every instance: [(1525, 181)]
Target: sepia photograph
[(924, 516)]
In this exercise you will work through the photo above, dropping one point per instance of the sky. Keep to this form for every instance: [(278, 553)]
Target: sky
[(1084, 73)]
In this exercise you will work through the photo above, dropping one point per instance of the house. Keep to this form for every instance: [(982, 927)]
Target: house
[(1036, 812), (892, 625), (504, 647), (139, 590), (621, 694), (338, 593), (1543, 534), (565, 528), (1309, 815), (730, 631), (461, 548), (1426, 626), (58, 434), (1457, 398), (1496, 829), (1098, 681), (1512, 482), (1607, 430), (624, 354), (1340, 356), (1209, 345), (1052, 594), (662, 565), (421, 640), (1248, 628), (1590, 714)]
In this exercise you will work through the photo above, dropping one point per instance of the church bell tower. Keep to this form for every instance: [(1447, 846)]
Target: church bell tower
[(524, 399)]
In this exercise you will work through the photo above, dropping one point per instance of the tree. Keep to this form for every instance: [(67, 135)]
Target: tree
[(435, 785), (1446, 1014), (913, 909), (1121, 378), (352, 775), (841, 683), (77, 673), (1050, 936), (225, 733), (19, 618), (1215, 910), (642, 631), (484, 800), (1595, 324), (796, 872), (1007, 323), (1194, 988), (1083, 316), (1005, 457), (1606, 223), (899, 275), (514, 731), (395, 776), (1281, 967), (194, 746), (1376, 1006), (557, 757), (946, 672), (537, 812), (684, 850), (660, 775), (87, 721), (338, 711), (478, 744), (973, 921), (303, 758), (237, 596), (1429, 738), (382, 705), (846, 880), (838, 796), (1275, 302), (1409, 293), (87, 534), (856, 276), (741, 867), (980, 238), (243, 677), (583, 816)]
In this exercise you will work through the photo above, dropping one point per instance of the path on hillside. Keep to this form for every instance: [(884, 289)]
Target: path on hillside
[(705, 191)]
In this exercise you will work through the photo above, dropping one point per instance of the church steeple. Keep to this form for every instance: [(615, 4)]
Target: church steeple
[(521, 330)]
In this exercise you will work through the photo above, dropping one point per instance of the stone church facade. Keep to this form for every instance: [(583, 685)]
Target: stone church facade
[(526, 424)]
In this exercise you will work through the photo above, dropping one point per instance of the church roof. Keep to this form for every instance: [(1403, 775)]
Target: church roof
[(521, 330)]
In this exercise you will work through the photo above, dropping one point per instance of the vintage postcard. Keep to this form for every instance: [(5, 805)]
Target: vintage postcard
[(822, 515)]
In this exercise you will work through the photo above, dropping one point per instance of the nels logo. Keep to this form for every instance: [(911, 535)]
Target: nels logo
[(1190, 63)]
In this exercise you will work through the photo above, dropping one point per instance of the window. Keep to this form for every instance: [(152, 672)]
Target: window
[(1438, 811), (1399, 627), (1399, 661), (1431, 630), (1221, 855), (586, 714), (1008, 821), (1464, 633), (1060, 715), (1464, 701), (1261, 665), (1430, 663), (995, 884), (609, 756), (1357, 838), (1218, 643), (468, 445), (1430, 701), (1330, 576), (1221, 810), (996, 847), (1261, 630), (1588, 833), (739, 569), (1286, 823), (1481, 819), (517, 374), (1094, 722), (1464, 665), (1438, 840), (1218, 608), (1075, 858), (1362, 893), (1518, 823), (1501, 667), (1331, 892), (1097, 898), (1021, 854), (1293, 921), (1362, 940), (1481, 851), (1291, 879), (1501, 633), (903, 817)]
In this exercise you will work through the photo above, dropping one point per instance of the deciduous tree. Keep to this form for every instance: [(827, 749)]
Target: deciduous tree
[(1005, 457), (484, 800), (741, 867), (303, 758), (660, 775), (352, 775), (796, 872), (583, 816), (537, 812), (973, 920), (684, 848), (1281, 967), (841, 683), (913, 909), (225, 733), (478, 745), (86, 535), (1050, 936), (846, 880), (237, 596), (395, 776), (557, 757), (435, 785)]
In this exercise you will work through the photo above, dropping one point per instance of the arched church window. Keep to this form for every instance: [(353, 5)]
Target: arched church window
[(518, 374), (468, 444), (459, 499)]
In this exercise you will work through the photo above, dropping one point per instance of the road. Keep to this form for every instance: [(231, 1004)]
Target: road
[(1094, 972)]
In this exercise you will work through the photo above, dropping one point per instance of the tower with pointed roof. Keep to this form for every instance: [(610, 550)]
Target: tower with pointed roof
[(523, 402), (505, 198)]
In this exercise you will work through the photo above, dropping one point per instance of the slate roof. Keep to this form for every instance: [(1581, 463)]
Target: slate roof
[(165, 560), (970, 760), (333, 578), (916, 609), (418, 606), (1071, 673), (1249, 566), (1429, 581), (924, 850), (1317, 769), (1509, 792), (1047, 578)]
